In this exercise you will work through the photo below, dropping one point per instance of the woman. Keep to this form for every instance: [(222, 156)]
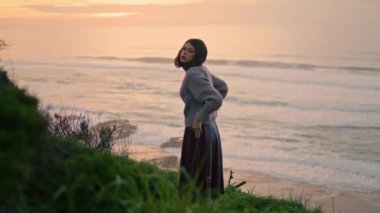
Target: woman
[(202, 93)]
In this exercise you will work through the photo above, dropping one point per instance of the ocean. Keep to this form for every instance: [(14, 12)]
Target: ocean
[(301, 106)]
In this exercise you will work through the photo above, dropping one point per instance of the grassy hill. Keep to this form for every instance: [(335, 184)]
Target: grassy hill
[(44, 173)]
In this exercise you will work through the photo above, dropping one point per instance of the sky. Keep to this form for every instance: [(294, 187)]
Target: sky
[(104, 13)]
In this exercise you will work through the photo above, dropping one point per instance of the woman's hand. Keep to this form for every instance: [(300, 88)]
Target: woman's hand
[(197, 127)]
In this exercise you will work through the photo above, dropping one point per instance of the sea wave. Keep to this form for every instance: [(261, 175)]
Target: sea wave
[(241, 63), (69, 64), (349, 127), (246, 101), (244, 63), (299, 106)]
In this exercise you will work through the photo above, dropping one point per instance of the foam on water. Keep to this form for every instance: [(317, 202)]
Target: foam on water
[(244, 63)]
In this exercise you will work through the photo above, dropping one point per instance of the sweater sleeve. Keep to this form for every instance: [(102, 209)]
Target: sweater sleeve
[(203, 92), (220, 85)]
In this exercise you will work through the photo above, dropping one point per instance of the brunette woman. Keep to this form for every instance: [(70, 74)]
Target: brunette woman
[(203, 94)]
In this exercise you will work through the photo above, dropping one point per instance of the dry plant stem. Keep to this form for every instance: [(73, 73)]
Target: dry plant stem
[(75, 125)]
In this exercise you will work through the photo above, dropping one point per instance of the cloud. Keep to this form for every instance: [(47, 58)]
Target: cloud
[(210, 12), (84, 9)]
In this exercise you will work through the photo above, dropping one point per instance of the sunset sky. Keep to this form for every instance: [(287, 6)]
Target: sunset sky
[(183, 12)]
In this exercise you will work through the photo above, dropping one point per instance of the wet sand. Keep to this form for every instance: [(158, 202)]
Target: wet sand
[(330, 200)]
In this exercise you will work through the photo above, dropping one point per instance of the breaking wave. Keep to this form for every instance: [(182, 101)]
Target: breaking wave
[(244, 63)]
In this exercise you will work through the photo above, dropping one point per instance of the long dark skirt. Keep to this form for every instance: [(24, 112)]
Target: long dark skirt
[(201, 162)]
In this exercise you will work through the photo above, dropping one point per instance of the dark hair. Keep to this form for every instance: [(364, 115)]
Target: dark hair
[(199, 57)]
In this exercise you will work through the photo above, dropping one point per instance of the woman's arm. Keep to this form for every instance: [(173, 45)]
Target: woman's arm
[(204, 92), (220, 85)]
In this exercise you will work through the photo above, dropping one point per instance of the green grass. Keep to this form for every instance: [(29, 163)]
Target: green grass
[(43, 173)]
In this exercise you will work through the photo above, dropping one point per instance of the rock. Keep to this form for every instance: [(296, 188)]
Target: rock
[(174, 142), (122, 128), (165, 162)]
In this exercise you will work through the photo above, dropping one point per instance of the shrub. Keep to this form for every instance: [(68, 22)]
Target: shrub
[(77, 126)]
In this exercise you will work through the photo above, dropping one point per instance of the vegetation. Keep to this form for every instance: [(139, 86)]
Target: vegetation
[(77, 126), (22, 135), (43, 171)]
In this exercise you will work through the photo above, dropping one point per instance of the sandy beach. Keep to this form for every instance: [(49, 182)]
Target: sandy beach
[(330, 200)]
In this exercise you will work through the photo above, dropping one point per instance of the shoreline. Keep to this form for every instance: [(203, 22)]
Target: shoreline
[(330, 200)]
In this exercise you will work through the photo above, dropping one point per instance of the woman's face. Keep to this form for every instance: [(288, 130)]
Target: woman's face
[(187, 53)]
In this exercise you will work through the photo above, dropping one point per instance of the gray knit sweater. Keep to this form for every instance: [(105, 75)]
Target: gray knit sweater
[(203, 94)]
